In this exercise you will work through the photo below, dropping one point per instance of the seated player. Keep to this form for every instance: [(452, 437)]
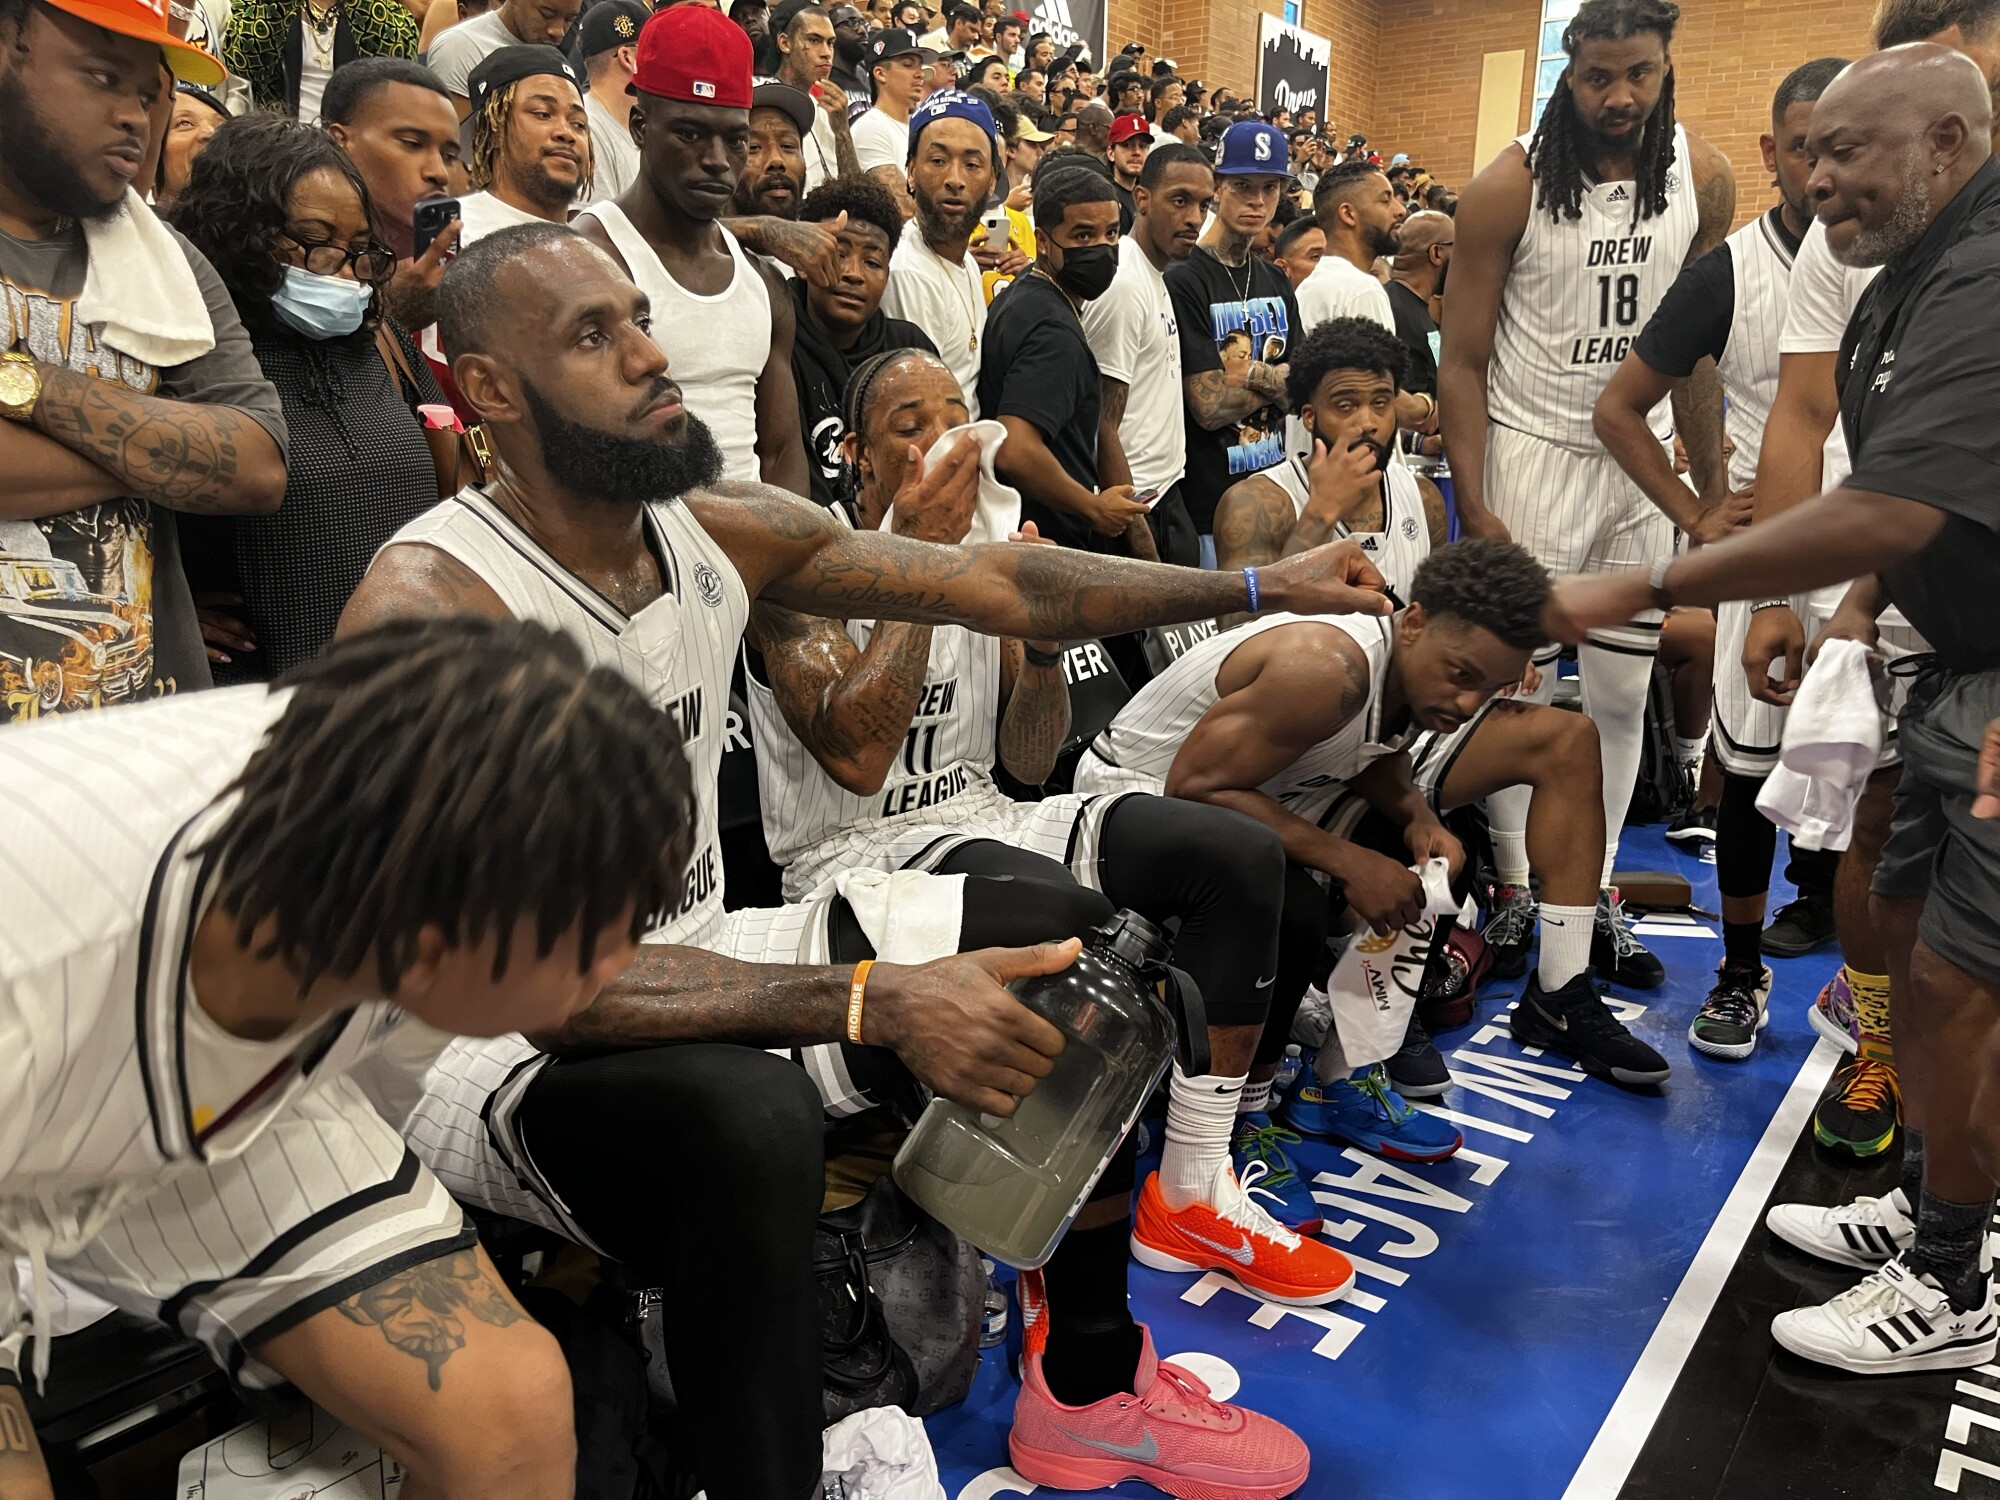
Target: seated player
[(876, 746), (608, 522), (298, 885), (1307, 726)]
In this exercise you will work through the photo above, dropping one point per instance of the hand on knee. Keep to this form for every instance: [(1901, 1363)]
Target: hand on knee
[(522, 1446)]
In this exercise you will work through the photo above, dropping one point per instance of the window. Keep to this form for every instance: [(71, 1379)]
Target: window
[(1549, 60)]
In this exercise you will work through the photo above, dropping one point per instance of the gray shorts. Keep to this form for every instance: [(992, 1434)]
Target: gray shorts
[(1937, 851)]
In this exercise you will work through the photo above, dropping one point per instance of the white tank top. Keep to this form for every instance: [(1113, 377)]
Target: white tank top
[(715, 346), (1138, 750), (1577, 295), (1405, 538), (1762, 267), (678, 649)]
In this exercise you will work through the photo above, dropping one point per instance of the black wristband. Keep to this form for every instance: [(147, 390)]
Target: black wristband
[(1041, 658)]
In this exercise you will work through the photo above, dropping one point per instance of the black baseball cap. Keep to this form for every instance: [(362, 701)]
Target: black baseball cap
[(781, 18), (511, 64), (891, 42), (772, 93), (609, 24)]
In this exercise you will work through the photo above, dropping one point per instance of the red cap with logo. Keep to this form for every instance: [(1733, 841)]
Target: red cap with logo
[(695, 55), (1130, 128), (146, 20)]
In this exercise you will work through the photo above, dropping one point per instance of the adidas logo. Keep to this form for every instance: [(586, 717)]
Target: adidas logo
[(1619, 194)]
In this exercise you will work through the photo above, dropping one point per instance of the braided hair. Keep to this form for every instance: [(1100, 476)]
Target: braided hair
[(855, 405), (459, 774), (1553, 155), (489, 139)]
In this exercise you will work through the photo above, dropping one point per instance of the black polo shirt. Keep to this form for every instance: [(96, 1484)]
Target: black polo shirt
[(1919, 375)]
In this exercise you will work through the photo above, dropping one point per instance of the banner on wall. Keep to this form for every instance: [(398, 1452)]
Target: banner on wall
[(1071, 21), (1292, 67)]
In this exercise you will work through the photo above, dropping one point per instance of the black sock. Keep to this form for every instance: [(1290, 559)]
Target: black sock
[(1912, 1182), (1743, 945), (1093, 1348), (1949, 1237)]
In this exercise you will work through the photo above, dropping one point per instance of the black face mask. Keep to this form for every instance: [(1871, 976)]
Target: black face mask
[(1087, 271)]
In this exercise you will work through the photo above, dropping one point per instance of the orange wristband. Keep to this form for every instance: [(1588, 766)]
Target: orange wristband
[(857, 989)]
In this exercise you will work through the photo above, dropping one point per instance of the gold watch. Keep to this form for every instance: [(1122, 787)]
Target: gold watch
[(20, 386)]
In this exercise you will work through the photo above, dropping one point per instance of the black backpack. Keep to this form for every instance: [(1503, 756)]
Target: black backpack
[(1663, 790)]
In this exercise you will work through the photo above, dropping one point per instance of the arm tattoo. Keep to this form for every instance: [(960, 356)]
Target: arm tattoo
[(1697, 407), (842, 703), (1037, 719), (1112, 395), (1216, 403), (1267, 381), (1250, 530), (183, 455), (674, 994), (17, 1434), (423, 1311), (1715, 198), (1436, 517)]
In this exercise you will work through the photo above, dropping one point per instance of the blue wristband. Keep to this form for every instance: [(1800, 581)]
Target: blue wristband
[(1250, 581)]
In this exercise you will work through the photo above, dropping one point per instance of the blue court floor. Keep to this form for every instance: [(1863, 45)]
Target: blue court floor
[(1523, 1309)]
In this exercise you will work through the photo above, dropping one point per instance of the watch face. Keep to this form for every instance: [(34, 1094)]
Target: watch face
[(18, 383)]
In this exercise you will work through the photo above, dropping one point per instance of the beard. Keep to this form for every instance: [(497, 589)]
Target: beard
[(619, 470), (36, 160), (939, 225), (1386, 242), (1906, 224), (848, 52), (749, 196)]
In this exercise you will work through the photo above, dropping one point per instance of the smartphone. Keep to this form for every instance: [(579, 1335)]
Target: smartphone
[(1146, 497), (998, 230), (430, 218)]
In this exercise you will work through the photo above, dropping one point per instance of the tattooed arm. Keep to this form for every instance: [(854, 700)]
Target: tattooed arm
[(414, 580), (1113, 470), (1252, 521), (1697, 400), (1437, 517), (1217, 401), (23, 1475), (850, 706), (210, 460), (794, 554), (1035, 722)]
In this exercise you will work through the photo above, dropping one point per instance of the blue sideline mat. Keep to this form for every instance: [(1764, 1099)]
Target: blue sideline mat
[(1521, 1309)]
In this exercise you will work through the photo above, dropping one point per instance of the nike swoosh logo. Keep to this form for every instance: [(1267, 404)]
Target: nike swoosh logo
[(1229, 1088), (1242, 1254), (1265, 984), (1561, 1023), (1143, 1452)]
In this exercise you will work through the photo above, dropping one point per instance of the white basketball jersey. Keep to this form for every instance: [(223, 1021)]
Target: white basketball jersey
[(1138, 750), (1762, 267), (1577, 295), (1405, 538), (678, 649)]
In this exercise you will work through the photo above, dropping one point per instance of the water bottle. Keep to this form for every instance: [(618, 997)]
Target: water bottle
[(993, 1323), (1288, 1071), (1012, 1186)]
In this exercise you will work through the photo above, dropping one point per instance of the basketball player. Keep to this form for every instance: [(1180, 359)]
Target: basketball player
[(1564, 246), (297, 885), (876, 749), (1729, 307), (570, 534), (726, 317)]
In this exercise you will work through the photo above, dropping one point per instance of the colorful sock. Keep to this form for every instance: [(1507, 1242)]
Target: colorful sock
[(1949, 1238), (1201, 1117), (1510, 856), (1255, 1098), (1871, 1013), (1743, 945), (1912, 1181), (1093, 1347), (1566, 932)]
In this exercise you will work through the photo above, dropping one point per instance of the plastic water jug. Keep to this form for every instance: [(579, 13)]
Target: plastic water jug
[(1012, 1186)]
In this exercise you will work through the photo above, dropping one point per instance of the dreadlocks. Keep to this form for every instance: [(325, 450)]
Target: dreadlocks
[(489, 139), (1553, 154), (460, 774)]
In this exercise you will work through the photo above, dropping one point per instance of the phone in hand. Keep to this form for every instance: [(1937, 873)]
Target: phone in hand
[(998, 230), (430, 218), (1146, 498)]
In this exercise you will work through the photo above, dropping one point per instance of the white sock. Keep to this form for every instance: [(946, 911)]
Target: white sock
[(1687, 752), (1565, 944), (1510, 853), (1610, 864), (1255, 1099), (1201, 1116)]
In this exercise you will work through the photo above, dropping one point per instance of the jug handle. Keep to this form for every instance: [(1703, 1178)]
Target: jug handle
[(1190, 1020)]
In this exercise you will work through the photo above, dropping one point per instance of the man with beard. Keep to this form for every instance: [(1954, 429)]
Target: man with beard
[(842, 326), (1904, 178), (1131, 139), (1137, 344), (613, 529), (1564, 246), (607, 43), (805, 41), (1729, 307), (1416, 281), (724, 318), (773, 178), (530, 141), (850, 51), (933, 279), (119, 407), (1363, 220)]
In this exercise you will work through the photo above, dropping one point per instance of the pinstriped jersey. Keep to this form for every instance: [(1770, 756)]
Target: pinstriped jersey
[(1762, 268), (1577, 294), (1405, 538), (678, 649)]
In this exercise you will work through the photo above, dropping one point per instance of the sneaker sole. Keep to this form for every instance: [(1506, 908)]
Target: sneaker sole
[(1731, 1051), (1625, 1077), (1421, 1090), (1164, 1260), (1824, 1024), (1691, 836), (1791, 950), (1838, 1255), (1861, 1150), (1954, 1357), (1399, 1153), (1062, 1471)]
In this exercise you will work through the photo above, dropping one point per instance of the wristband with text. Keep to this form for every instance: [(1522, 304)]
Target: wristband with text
[(1250, 582), (1770, 604), (857, 990)]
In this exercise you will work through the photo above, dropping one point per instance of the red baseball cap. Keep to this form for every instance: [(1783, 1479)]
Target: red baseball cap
[(695, 55), (146, 20), (1129, 128)]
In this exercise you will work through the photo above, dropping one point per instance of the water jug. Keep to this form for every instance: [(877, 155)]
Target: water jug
[(1011, 1186)]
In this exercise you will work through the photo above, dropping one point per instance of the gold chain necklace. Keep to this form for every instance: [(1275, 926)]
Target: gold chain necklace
[(969, 304), (320, 27)]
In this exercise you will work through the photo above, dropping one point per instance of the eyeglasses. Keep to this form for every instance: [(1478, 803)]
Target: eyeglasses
[(372, 262)]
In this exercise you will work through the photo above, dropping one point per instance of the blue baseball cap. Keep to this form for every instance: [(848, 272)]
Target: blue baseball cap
[(1251, 146), (953, 104)]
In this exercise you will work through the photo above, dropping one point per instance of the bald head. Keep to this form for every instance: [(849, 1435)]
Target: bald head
[(1093, 129), (1910, 88), (1420, 232)]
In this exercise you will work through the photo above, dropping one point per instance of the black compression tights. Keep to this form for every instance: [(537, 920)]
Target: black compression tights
[(1746, 841)]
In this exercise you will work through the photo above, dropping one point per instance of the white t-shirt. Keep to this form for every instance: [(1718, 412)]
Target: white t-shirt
[(822, 151), (461, 48), (1822, 297), (1132, 331), (880, 141), (615, 158), (1339, 289), (942, 299), (481, 213), (312, 85)]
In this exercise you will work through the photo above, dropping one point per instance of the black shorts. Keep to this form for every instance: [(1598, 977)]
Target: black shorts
[(1937, 852)]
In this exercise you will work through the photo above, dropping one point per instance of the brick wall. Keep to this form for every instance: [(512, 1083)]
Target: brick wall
[(1427, 89)]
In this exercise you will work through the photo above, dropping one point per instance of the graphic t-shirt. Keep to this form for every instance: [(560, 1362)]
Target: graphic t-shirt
[(1229, 316), (94, 608)]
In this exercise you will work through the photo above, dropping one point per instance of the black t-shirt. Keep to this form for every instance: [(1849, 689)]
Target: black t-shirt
[(1035, 364), (1419, 332), (1919, 376), (1694, 319), (1229, 316)]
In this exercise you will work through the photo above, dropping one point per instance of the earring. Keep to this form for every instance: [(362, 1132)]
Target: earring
[(1938, 170)]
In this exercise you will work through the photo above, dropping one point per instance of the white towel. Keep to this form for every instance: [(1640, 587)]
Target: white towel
[(998, 513), (909, 917), (1832, 744), (140, 293), (879, 1454)]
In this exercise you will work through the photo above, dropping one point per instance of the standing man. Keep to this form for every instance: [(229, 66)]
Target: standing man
[(850, 54), (1136, 341), (530, 141), (513, 23), (1297, 249), (1416, 283), (1729, 308), (1904, 178), (1237, 317), (724, 318), (933, 280), (1131, 139), (882, 135), (1573, 236), (1363, 220), (773, 182), (1093, 134), (805, 41), (607, 44), (1183, 123)]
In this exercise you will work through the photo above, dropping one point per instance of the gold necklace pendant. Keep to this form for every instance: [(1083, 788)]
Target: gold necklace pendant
[(971, 342)]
